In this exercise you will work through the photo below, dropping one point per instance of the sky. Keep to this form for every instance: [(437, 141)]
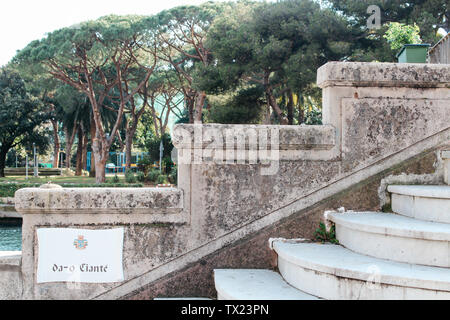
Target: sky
[(22, 21)]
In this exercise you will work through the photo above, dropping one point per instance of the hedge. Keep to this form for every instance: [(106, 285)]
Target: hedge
[(8, 189)]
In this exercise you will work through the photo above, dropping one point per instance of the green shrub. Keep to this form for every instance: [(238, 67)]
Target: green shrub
[(130, 177), (153, 175), (8, 189), (173, 175), (140, 176), (153, 147), (145, 164), (116, 179), (399, 34), (167, 165), (162, 179)]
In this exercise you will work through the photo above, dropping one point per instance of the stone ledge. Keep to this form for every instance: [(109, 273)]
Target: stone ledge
[(376, 74), (424, 191), (392, 225), (10, 258), (214, 136), (8, 211), (99, 201), (7, 200)]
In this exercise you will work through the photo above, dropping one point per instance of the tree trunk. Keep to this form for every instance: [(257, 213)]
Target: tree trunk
[(290, 107), (100, 167), (121, 144), (57, 145), (190, 102), (128, 147), (68, 148), (276, 108), (84, 154), (272, 101), (78, 171), (301, 114), (69, 143), (93, 134), (3, 154), (99, 160), (92, 171), (198, 108)]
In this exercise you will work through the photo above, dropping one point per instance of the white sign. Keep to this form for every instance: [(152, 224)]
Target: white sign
[(80, 255)]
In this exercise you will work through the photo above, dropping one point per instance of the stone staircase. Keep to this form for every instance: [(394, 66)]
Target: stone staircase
[(399, 255)]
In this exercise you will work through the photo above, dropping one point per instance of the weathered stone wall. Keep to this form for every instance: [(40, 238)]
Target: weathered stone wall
[(196, 280), (10, 276), (375, 116)]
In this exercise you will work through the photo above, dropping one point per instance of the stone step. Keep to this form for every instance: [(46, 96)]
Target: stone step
[(181, 298), (394, 237), (254, 284), (430, 203), (334, 272)]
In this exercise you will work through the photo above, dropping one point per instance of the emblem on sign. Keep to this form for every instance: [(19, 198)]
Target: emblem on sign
[(80, 243)]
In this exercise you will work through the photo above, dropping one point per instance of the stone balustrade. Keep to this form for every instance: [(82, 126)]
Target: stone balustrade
[(375, 116)]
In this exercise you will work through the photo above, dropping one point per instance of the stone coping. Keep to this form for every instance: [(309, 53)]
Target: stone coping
[(342, 262), (424, 191), (10, 258), (376, 74), (255, 284), (214, 136), (7, 200), (99, 200), (389, 224)]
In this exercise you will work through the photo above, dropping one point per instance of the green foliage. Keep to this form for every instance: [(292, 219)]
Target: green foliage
[(153, 175), (162, 179), (145, 164), (130, 177), (21, 115), (370, 44), (167, 165), (115, 179), (145, 132), (312, 110), (140, 176), (399, 34), (8, 189), (323, 235), (153, 147), (173, 175), (246, 106), (273, 47)]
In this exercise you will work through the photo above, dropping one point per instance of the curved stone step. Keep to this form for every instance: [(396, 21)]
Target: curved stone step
[(334, 272), (430, 203), (394, 237), (254, 284), (182, 298)]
